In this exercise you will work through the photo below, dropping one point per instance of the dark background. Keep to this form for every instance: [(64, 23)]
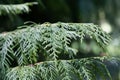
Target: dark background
[(85, 11)]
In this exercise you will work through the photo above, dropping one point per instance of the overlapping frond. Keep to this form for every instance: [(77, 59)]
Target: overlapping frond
[(47, 41), (15, 8), (77, 69)]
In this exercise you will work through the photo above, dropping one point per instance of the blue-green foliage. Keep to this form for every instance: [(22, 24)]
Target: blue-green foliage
[(77, 69), (28, 45)]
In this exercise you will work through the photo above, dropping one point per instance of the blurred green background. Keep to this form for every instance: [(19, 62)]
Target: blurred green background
[(105, 13)]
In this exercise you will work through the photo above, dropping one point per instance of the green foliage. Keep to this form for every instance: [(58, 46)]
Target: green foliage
[(77, 69), (15, 8), (45, 43)]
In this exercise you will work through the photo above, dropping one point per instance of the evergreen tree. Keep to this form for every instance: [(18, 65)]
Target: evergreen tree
[(44, 51)]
